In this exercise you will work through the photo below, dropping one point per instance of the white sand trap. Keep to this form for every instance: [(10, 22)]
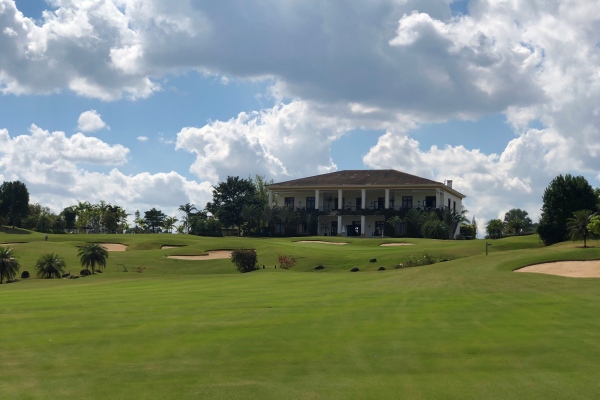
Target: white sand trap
[(396, 244), (114, 246), (212, 255), (572, 269), (166, 247), (322, 242)]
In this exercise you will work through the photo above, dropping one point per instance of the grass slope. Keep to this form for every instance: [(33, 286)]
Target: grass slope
[(464, 329)]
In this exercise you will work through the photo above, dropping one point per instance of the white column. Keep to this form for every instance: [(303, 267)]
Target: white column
[(270, 198), (339, 229), (317, 193), (364, 198), (363, 225), (387, 198), (340, 203)]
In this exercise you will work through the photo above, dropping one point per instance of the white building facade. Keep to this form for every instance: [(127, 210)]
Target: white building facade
[(357, 202)]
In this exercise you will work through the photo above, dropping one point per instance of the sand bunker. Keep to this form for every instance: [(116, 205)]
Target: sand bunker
[(114, 246), (322, 242), (9, 244), (396, 244), (572, 269), (212, 255), (166, 247)]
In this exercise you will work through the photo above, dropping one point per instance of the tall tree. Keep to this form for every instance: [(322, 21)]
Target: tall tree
[(494, 228), (169, 223), (50, 266), (517, 221), (9, 267), (14, 202), (188, 209), (229, 198), (92, 255), (69, 214), (578, 225), (154, 219), (563, 196)]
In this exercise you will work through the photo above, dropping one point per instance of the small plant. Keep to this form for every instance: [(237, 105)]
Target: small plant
[(244, 259), (355, 269), (140, 269), (287, 262)]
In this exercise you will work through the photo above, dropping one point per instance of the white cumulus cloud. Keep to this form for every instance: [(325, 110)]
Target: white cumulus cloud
[(91, 121)]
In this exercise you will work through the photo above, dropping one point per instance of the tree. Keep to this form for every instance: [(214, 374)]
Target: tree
[(432, 227), (14, 202), (188, 209), (9, 267), (395, 222), (154, 219), (92, 254), (229, 198), (494, 228), (50, 266), (169, 223), (70, 215), (578, 225), (594, 225), (517, 221), (563, 196)]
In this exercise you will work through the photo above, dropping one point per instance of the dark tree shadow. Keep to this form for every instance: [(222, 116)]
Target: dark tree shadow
[(15, 231)]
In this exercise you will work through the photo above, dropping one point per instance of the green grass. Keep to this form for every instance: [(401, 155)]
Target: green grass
[(468, 328)]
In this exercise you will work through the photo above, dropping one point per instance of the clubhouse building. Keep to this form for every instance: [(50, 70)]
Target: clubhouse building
[(358, 202)]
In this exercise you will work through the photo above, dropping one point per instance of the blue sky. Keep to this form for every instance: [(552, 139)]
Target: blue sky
[(178, 96)]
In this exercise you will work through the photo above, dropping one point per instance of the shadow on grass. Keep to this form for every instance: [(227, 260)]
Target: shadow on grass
[(14, 231)]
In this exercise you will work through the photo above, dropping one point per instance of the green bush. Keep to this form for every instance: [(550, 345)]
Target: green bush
[(244, 259)]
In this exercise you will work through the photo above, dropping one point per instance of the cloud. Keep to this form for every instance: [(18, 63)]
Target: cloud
[(52, 167), (142, 138), (288, 140), (91, 121)]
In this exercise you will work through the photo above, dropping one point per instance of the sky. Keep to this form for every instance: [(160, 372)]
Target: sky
[(149, 103)]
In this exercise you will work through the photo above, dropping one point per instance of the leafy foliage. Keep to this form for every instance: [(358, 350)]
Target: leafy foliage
[(563, 196), (494, 228), (286, 262), (50, 266), (229, 199), (9, 267), (578, 225), (92, 255), (14, 202), (244, 259), (154, 219), (517, 221)]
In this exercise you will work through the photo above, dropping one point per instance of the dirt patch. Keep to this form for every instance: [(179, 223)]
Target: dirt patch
[(166, 247), (396, 244), (212, 255), (114, 246), (9, 244), (322, 242), (572, 269)]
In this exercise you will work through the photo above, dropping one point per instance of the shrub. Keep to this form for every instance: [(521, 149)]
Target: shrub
[(381, 269), (287, 262), (319, 267), (85, 272), (244, 259), (25, 275), (355, 269)]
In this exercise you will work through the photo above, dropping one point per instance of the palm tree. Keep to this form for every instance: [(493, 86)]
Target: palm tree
[(50, 266), (8, 265), (170, 223), (187, 209), (395, 222), (495, 228), (92, 254), (578, 225)]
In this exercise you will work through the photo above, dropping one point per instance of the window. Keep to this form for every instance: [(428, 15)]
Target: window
[(301, 228), (379, 228), (358, 203), (454, 206), (430, 202), (289, 202), (448, 203), (380, 203), (406, 201), (310, 203), (279, 228)]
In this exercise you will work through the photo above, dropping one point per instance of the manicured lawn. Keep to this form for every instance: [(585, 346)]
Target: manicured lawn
[(468, 328)]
